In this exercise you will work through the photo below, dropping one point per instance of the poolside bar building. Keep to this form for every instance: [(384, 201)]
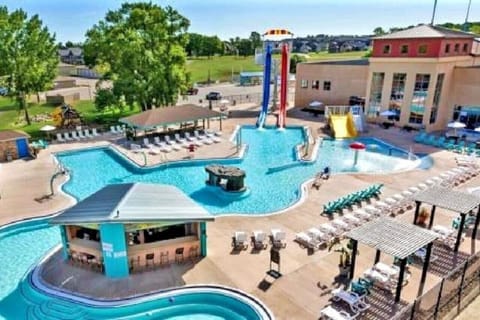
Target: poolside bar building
[(123, 228)]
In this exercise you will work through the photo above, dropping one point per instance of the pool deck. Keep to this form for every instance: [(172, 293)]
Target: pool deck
[(307, 279)]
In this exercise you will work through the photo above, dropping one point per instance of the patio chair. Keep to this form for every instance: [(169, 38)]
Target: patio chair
[(59, 138), (165, 148), (330, 230), (340, 224), (136, 148), (203, 138), (239, 240), (80, 134), (258, 239), (278, 238), (189, 137), (361, 286), (120, 129), (113, 130), (74, 135), (179, 139), (67, 137), (146, 143), (378, 278), (153, 150), (87, 134), (169, 140), (352, 220), (356, 302), (307, 241), (419, 138), (362, 214), (331, 313), (156, 141), (95, 133)]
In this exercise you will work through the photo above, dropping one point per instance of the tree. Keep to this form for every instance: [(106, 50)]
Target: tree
[(29, 57), (141, 47), (194, 45), (69, 44), (244, 47), (105, 99), (294, 60), (256, 40), (211, 46), (378, 31)]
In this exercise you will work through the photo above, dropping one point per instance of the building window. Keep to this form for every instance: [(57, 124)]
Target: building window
[(316, 84), (457, 47), (447, 48), (386, 49), (397, 93), (326, 85), (404, 49), (465, 47), (417, 107), (436, 97), (375, 100), (422, 49), (304, 83)]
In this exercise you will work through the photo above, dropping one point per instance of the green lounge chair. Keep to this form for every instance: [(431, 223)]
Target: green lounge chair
[(459, 147), (430, 140), (439, 143), (420, 137)]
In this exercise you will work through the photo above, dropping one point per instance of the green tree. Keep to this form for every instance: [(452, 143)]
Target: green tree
[(141, 47), (105, 99), (69, 44), (211, 46), (29, 57), (244, 47), (194, 45), (378, 31), (294, 60), (256, 40)]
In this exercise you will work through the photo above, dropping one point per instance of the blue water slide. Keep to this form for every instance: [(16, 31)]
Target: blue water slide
[(266, 87)]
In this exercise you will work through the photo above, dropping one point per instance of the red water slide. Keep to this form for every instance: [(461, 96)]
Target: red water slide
[(283, 87)]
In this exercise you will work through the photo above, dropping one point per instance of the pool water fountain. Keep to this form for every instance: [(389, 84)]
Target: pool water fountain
[(357, 146)]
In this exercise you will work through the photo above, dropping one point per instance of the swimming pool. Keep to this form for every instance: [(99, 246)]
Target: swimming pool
[(274, 174), (20, 300)]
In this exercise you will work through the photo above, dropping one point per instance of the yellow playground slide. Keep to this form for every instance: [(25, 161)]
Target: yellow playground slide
[(343, 126)]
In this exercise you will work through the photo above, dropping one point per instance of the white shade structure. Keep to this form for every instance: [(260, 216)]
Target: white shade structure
[(315, 104), (47, 128), (224, 101), (477, 129), (388, 113), (456, 125)]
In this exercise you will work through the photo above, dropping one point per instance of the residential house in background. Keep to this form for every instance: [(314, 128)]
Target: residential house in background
[(72, 55)]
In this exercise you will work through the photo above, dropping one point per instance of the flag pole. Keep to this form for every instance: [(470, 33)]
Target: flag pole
[(434, 10)]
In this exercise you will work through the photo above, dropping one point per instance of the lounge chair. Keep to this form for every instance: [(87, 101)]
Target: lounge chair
[(352, 220), (356, 302), (67, 137), (278, 238), (120, 129), (80, 134), (258, 239), (331, 313), (136, 148), (189, 137), (340, 224), (179, 139), (307, 241), (74, 135), (319, 235), (146, 143), (153, 150), (87, 134), (113, 130), (330, 230), (362, 214), (203, 138), (165, 148), (95, 133), (59, 138), (169, 140), (420, 138), (239, 240)]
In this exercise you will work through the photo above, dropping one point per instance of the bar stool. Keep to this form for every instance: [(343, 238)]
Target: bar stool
[(179, 255), (164, 259), (149, 260), (193, 252)]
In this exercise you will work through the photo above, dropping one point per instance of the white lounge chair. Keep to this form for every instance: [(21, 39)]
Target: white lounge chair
[(258, 239), (307, 241), (113, 130), (352, 220), (146, 143), (239, 240), (169, 140), (362, 214), (176, 147), (136, 148), (67, 136), (80, 134), (355, 302), (156, 141), (120, 129), (179, 139), (340, 224), (189, 137), (95, 133), (330, 313), (165, 148), (87, 134), (59, 138), (329, 229), (153, 150), (203, 138), (319, 235), (74, 135), (278, 238)]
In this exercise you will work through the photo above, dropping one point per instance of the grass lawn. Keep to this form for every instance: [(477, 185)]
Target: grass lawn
[(12, 118), (221, 68)]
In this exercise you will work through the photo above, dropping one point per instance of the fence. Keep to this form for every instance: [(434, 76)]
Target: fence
[(448, 298)]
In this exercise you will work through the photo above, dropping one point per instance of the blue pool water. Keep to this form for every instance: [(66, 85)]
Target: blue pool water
[(274, 175), (23, 244)]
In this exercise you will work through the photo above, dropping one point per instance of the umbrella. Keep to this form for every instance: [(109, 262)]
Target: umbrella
[(388, 113), (224, 101), (315, 104), (47, 128), (456, 125), (357, 146)]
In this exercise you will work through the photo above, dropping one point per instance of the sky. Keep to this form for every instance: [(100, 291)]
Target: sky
[(70, 19)]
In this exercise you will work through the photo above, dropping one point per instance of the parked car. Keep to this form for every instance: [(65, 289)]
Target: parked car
[(3, 91), (213, 96), (192, 91)]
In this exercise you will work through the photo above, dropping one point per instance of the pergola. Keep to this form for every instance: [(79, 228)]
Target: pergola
[(396, 238), (154, 118), (452, 200)]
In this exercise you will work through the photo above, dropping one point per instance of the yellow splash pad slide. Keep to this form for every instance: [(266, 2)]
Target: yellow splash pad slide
[(343, 126)]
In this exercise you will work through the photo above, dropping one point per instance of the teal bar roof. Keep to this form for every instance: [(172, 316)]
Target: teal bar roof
[(134, 202)]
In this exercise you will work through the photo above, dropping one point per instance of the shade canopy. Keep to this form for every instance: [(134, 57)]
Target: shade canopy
[(315, 104), (456, 125), (224, 101), (388, 113), (47, 128), (154, 118), (393, 237), (357, 146), (449, 199), (134, 203)]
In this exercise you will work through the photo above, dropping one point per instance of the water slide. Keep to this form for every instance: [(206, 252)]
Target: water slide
[(282, 114), (343, 126), (266, 87)]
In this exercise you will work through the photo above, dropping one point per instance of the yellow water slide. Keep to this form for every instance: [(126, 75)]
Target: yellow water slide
[(343, 126)]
